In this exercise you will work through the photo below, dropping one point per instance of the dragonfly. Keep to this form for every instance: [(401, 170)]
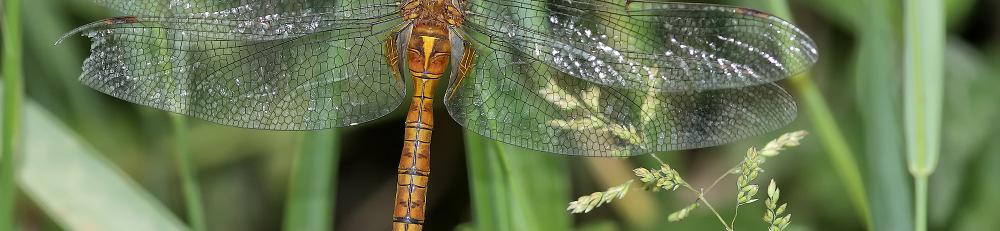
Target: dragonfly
[(575, 77)]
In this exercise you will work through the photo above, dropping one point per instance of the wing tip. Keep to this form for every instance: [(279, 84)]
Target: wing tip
[(89, 26)]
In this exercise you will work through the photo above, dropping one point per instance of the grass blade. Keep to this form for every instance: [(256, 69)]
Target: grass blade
[(78, 188), (311, 188), (186, 170), (878, 98), (539, 188), (490, 201), (12, 94), (923, 88)]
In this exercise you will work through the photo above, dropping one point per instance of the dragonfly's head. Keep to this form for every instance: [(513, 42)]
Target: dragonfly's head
[(428, 51)]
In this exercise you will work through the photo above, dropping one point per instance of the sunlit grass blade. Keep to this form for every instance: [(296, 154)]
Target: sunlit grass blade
[(516, 189), (12, 96), (309, 204), (186, 171), (923, 51), (79, 189), (879, 101)]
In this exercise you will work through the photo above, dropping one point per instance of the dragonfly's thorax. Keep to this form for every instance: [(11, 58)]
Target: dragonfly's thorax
[(441, 12), (429, 47), (428, 50)]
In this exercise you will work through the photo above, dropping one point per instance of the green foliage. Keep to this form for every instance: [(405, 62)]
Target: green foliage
[(110, 151)]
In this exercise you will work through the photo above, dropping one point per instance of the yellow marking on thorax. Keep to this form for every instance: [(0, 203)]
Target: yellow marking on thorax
[(428, 43)]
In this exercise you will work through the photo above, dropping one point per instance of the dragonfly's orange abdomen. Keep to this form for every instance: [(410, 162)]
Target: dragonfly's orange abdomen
[(428, 53)]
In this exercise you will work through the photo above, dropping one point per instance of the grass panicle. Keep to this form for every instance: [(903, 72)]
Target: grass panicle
[(587, 203), (787, 140), (682, 213), (666, 178), (749, 169), (772, 215)]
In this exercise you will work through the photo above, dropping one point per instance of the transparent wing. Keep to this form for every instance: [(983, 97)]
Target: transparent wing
[(245, 9), (575, 77), (661, 45), (523, 102), (289, 71)]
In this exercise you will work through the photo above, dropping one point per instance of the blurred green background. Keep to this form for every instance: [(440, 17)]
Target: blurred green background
[(92, 162)]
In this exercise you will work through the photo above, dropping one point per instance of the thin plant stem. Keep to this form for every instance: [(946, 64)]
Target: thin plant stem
[(736, 213), (185, 169), (717, 180), (704, 201), (920, 203), (12, 93), (701, 196), (658, 159)]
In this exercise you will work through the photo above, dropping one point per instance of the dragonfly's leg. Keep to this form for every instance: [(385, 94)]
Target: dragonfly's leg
[(460, 68), (391, 51)]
